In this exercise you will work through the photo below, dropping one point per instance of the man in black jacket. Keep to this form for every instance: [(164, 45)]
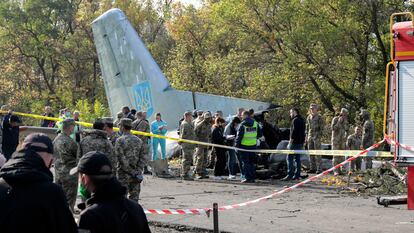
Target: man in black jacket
[(296, 141), (108, 210), (29, 200)]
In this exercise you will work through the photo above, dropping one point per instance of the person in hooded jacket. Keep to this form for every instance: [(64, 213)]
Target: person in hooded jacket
[(107, 210), (29, 200)]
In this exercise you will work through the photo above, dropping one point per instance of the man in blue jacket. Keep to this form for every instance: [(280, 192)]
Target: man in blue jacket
[(247, 135)]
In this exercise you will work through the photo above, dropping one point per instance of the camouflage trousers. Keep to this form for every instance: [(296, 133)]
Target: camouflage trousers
[(187, 161), (201, 154), (315, 160), (70, 188), (338, 159), (133, 187)]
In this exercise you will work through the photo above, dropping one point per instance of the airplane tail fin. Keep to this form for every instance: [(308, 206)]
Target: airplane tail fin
[(132, 77)]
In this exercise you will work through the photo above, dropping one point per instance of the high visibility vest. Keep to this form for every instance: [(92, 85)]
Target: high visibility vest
[(250, 135)]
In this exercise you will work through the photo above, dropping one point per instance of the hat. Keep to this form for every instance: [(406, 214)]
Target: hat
[(344, 110), (38, 142), (125, 122), (15, 118), (107, 120), (313, 106), (206, 115), (94, 164), (67, 122), (200, 112)]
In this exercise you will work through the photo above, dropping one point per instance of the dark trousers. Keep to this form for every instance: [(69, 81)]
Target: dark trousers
[(292, 172), (247, 166), (233, 162), (220, 165)]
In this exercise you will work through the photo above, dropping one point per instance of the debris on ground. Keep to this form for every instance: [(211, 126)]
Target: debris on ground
[(385, 180)]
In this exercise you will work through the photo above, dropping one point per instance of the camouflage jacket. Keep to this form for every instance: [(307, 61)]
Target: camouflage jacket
[(368, 133), (113, 136), (314, 126), (129, 151), (353, 142), (143, 126), (187, 132), (97, 140), (202, 130), (339, 130), (65, 150)]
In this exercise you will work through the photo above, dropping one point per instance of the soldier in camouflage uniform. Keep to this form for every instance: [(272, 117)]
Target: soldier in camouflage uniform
[(141, 124), (354, 143), (340, 127), (109, 129), (202, 130), (187, 132), (66, 150), (97, 140), (314, 131), (368, 133), (131, 159)]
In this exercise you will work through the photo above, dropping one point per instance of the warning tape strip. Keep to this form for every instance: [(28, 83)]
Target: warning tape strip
[(234, 206), (405, 147), (380, 154)]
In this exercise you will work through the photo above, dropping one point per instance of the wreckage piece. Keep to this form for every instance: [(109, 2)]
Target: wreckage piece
[(395, 200), (394, 169)]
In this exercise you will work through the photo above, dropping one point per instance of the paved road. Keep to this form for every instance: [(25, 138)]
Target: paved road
[(313, 208)]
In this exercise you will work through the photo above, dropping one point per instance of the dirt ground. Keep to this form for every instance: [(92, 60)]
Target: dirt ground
[(312, 208)]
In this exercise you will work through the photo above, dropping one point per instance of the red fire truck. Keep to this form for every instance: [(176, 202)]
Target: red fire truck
[(399, 95)]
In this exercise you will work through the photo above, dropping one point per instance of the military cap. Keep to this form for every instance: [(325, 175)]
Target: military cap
[(125, 122), (344, 110)]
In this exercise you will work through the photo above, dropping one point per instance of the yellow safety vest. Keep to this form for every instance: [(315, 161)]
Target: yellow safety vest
[(250, 135)]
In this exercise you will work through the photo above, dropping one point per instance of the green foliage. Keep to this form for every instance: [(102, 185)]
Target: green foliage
[(90, 112)]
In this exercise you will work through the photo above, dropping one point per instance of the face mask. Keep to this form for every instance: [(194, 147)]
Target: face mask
[(83, 191)]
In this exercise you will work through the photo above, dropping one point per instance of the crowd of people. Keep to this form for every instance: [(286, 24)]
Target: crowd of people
[(110, 165)]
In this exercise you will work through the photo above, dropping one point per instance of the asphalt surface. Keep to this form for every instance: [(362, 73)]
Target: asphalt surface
[(312, 208)]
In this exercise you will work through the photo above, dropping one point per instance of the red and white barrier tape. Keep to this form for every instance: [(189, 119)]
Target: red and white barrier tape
[(229, 207), (392, 142)]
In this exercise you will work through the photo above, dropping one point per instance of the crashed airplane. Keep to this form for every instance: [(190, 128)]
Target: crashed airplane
[(132, 77)]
